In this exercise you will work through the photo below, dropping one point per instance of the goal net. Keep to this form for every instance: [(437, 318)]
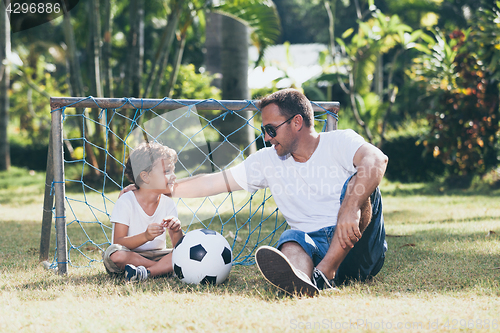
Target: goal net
[(90, 143)]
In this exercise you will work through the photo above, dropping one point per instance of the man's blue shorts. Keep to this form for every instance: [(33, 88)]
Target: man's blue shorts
[(367, 256)]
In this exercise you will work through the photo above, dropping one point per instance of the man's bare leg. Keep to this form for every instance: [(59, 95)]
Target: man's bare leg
[(298, 257)]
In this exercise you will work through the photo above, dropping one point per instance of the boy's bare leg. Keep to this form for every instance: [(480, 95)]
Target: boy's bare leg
[(156, 268), (122, 258), (161, 267)]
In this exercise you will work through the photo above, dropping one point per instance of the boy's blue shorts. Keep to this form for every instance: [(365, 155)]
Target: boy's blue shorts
[(367, 256)]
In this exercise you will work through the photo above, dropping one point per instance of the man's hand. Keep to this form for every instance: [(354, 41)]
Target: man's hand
[(347, 230), (130, 187)]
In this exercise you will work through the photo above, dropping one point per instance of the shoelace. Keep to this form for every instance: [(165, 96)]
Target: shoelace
[(320, 280)]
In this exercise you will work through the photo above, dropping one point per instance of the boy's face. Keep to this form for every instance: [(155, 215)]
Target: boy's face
[(162, 175)]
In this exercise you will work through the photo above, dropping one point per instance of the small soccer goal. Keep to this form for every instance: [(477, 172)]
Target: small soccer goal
[(90, 142)]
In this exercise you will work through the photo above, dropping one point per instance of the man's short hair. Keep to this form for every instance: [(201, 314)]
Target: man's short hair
[(291, 102), (143, 158)]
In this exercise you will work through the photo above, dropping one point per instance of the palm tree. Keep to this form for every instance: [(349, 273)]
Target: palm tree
[(248, 21)]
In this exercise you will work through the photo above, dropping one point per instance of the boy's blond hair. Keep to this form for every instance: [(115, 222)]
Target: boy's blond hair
[(143, 157)]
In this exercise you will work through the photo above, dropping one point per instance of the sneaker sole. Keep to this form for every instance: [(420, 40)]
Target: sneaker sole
[(278, 271)]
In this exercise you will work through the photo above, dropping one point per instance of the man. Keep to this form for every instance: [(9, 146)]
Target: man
[(325, 185)]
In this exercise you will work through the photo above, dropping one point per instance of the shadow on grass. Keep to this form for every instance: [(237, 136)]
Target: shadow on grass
[(243, 281)]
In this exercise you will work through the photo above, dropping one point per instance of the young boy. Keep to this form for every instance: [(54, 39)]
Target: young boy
[(140, 218)]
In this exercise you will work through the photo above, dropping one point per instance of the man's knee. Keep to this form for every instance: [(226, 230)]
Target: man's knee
[(291, 246)]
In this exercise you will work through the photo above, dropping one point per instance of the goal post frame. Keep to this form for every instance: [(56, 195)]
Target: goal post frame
[(55, 182)]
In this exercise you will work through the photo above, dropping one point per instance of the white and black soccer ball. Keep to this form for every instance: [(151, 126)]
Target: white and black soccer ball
[(202, 256)]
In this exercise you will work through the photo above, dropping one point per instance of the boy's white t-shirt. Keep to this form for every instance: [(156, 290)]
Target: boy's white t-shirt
[(307, 194), (128, 211)]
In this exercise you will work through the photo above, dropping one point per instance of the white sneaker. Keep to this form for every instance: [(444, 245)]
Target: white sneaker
[(133, 273)]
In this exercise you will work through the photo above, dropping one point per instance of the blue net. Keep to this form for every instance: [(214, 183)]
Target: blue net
[(97, 142)]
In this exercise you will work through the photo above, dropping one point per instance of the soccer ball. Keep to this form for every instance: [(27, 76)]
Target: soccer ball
[(202, 256)]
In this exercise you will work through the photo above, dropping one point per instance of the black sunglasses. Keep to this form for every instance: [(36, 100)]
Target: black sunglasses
[(271, 130)]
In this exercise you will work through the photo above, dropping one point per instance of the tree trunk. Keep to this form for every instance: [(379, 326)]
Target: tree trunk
[(95, 46), (213, 45), (177, 63), (132, 40), (95, 70), (106, 50), (73, 62), (392, 92), (108, 84), (76, 85), (156, 74), (379, 77), (331, 10), (235, 82), (4, 89), (138, 49), (178, 57)]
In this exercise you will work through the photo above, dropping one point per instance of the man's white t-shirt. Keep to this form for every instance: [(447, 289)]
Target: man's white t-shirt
[(307, 194), (128, 211)]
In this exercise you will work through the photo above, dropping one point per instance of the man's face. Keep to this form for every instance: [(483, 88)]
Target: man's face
[(285, 141)]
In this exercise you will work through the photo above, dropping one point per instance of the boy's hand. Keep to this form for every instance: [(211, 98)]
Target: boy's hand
[(172, 223), (127, 188), (154, 230)]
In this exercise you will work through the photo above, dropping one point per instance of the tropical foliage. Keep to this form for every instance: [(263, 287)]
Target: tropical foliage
[(460, 78), (421, 70), (127, 48)]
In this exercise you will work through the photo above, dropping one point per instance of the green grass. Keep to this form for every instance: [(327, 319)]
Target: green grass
[(442, 271)]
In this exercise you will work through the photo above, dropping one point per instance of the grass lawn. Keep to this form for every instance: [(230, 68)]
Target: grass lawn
[(442, 272)]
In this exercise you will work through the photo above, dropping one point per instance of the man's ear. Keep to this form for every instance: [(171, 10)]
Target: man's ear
[(298, 122)]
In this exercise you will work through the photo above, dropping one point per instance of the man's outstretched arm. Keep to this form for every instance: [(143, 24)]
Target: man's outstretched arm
[(205, 185), (199, 186)]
